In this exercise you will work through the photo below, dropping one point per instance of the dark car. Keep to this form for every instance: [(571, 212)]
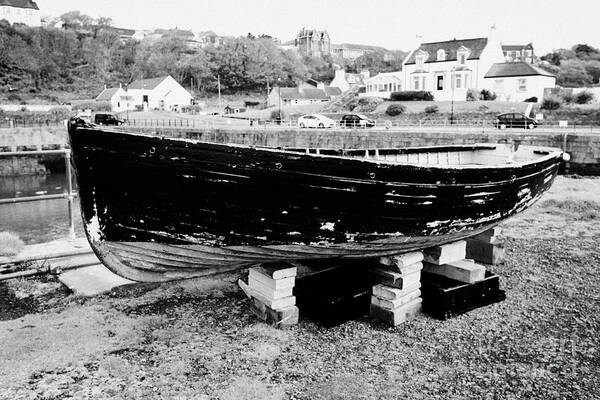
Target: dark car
[(515, 120), (107, 119), (356, 121)]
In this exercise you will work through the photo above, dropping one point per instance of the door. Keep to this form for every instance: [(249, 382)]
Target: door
[(440, 82)]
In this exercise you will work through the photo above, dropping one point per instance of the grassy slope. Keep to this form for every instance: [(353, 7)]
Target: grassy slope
[(198, 339)]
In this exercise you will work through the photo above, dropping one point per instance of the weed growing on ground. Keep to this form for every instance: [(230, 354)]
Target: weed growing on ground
[(10, 244), (580, 210)]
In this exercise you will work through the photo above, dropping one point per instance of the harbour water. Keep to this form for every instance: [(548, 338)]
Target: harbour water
[(37, 221)]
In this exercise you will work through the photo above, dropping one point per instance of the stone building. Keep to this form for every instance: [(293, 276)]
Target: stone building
[(313, 43)]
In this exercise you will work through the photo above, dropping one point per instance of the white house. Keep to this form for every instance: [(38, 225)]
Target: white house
[(517, 81), (118, 98), (20, 12), (383, 85), (345, 81), (302, 94), (448, 69), (162, 93)]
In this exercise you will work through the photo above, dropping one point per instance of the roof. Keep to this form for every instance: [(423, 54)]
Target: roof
[(509, 47), (500, 70), (149, 84), (353, 46), (475, 47), (308, 94), (383, 75), (19, 4), (107, 94), (354, 79), (333, 91)]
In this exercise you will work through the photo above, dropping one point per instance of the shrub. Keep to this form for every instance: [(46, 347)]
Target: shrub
[(487, 95), (473, 95), (395, 109), (419, 95), (59, 113), (368, 104), (483, 108), (584, 97), (531, 100), (277, 115), (568, 97), (432, 109), (93, 105), (550, 103)]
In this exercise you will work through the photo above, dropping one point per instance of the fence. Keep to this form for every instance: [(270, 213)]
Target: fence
[(19, 123), (70, 195)]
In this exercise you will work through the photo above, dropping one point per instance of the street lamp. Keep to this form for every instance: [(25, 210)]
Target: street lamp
[(279, 96), (452, 83)]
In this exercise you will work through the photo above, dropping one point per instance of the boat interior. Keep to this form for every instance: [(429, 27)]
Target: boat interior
[(485, 154)]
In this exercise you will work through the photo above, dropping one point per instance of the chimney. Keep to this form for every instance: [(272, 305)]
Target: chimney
[(341, 73), (120, 87), (105, 87)]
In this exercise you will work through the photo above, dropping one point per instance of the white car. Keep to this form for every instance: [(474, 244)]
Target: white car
[(315, 121)]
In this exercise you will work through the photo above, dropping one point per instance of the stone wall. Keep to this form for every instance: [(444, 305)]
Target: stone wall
[(584, 149)]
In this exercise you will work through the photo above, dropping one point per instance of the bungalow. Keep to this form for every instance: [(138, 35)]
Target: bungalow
[(118, 98), (302, 94), (518, 81), (162, 93), (345, 81), (20, 12), (383, 85)]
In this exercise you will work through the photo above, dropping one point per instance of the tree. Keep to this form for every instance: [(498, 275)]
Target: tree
[(573, 74), (592, 67)]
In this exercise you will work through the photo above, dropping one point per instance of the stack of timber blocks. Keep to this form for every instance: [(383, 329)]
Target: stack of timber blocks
[(270, 289), (397, 296), (487, 247), (449, 260)]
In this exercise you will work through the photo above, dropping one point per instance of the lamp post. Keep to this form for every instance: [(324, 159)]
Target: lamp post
[(279, 96), (452, 83)]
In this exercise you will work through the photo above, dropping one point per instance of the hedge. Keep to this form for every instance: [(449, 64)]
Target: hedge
[(411, 95)]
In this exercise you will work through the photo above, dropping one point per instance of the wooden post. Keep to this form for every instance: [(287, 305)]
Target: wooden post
[(70, 193)]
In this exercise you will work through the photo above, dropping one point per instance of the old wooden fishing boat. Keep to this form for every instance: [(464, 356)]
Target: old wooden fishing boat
[(157, 209)]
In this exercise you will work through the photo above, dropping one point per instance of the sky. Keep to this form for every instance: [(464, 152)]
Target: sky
[(394, 24)]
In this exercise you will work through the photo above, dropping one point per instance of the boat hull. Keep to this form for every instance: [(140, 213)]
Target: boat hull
[(158, 209)]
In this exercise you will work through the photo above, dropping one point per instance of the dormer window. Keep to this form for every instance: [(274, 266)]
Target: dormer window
[(441, 55), (420, 61), (461, 55)]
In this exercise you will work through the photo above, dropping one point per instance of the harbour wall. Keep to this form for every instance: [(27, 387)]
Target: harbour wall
[(584, 148)]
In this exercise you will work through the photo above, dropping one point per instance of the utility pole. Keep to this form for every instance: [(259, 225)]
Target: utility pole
[(452, 83), (219, 88), (267, 91)]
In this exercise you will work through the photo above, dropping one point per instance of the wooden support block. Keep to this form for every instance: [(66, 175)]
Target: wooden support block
[(392, 304), (245, 288), (276, 271), (275, 304), (400, 281), (392, 293), (402, 263), (281, 317), (446, 253), (462, 270), (492, 232), (268, 292), (398, 315), (274, 284), (486, 253)]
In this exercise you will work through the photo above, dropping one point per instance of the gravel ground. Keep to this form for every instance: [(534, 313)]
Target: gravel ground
[(198, 339)]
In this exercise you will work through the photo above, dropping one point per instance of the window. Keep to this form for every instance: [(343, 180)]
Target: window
[(458, 84), (522, 85), (440, 82), (462, 59), (441, 55), (416, 82), (499, 86), (420, 61)]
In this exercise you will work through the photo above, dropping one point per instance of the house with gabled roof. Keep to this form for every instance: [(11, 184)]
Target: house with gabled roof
[(448, 69), (118, 98), (518, 81), (518, 52), (303, 93), (346, 80), (20, 12), (161, 93)]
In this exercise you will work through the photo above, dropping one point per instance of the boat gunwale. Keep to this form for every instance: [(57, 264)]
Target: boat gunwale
[(552, 151)]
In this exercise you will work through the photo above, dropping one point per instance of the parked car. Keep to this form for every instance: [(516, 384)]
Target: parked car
[(515, 120), (107, 119), (356, 121), (315, 121)]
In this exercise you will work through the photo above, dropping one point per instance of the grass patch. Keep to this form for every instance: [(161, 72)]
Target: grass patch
[(580, 210), (10, 244)]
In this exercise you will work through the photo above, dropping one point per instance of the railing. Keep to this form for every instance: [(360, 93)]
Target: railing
[(15, 123), (70, 195), (479, 125)]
